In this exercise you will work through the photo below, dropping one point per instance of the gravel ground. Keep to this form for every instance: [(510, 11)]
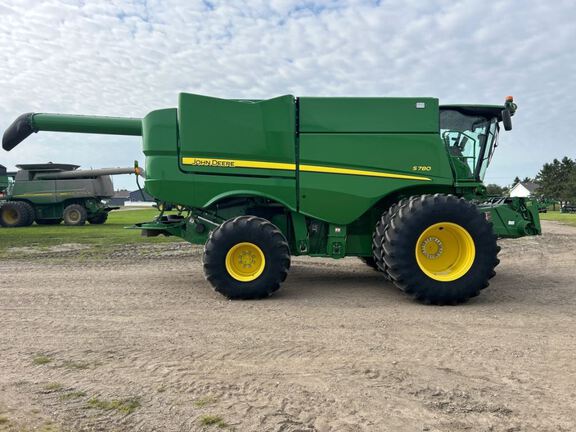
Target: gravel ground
[(138, 341)]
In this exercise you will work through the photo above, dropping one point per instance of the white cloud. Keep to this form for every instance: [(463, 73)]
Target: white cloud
[(126, 58)]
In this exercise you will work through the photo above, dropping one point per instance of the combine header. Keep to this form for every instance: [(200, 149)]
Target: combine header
[(396, 182)]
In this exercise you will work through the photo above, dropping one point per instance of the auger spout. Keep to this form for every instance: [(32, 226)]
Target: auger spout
[(29, 123)]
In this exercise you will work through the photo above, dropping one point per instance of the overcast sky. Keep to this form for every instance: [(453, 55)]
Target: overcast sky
[(125, 58)]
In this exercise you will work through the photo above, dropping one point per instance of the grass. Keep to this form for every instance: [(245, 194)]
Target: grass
[(73, 395), (69, 364), (111, 233), (48, 427), (125, 406), (567, 218), (41, 359), (202, 402), (213, 420), (55, 386)]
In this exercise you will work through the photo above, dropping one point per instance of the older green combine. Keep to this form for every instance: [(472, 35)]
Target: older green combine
[(50, 193), (396, 182)]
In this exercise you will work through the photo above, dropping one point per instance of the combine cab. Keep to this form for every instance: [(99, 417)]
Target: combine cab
[(4, 182), (51, 193)]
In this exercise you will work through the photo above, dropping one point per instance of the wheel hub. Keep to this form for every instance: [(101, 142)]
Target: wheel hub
[(10, 216), (245, 262), (432, 247)]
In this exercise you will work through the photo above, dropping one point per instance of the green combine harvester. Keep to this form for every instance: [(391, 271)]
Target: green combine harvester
[(4, 182), (51, 193), (396, 182)]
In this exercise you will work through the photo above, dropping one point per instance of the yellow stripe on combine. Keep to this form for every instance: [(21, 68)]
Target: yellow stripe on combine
[(229, 163), (346, 171), (233, 163)]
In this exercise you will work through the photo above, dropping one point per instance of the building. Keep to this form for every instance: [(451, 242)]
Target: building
[(120, 197), (136, 196), (523, 189)]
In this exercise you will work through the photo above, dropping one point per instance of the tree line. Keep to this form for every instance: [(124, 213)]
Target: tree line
[(556, 181)]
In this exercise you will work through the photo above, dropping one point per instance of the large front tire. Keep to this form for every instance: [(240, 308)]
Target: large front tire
[(440, 249), (75, 215), (246, 258)]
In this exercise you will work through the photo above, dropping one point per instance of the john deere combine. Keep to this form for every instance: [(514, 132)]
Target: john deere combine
[(49, 193), (396, 182)]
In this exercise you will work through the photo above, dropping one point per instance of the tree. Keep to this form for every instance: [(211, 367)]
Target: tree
[(571, 187), (496, 190), (516, 181), (558, 180)]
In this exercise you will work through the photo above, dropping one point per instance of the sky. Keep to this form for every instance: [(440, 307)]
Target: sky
[(126, 58)]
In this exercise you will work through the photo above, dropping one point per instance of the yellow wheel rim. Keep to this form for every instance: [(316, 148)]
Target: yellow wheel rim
[(245, 262), (10, 216), (445, 251)]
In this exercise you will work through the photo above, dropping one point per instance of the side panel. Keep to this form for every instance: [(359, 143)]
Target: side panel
[(37, 191), (164, 179), (229, 137), (167, 179), (367, 167), (368, 115)]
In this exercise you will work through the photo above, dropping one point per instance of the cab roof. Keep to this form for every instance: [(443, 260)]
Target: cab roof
[(48, 167), (479, 110)]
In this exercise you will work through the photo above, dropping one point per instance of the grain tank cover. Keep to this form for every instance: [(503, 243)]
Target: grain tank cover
[(211, 129), (368, 115)]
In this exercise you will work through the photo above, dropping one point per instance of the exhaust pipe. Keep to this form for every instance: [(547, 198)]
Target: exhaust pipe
[(29, 123)]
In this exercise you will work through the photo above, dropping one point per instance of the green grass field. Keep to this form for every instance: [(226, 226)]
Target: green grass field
[(113, 232), (567, 218)]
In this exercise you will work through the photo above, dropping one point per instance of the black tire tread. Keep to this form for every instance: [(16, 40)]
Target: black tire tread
[(30, 211), (402, 268), (253, 229), (378, 237), (24, 210)]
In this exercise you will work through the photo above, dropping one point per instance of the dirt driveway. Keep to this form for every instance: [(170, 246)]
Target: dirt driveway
[(138, 341)]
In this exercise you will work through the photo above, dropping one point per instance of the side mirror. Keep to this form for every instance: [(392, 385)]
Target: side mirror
[(506, 119)]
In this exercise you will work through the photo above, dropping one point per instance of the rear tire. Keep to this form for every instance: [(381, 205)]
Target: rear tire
[(14, 214), (440, 249), (378, 237), (246, 258), (75, 215), (31, 213), (99, 219)]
